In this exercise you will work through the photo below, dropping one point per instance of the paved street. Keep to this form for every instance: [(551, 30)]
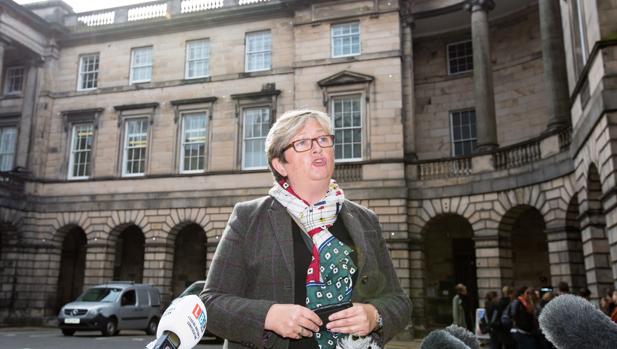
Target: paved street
[(51, 338)]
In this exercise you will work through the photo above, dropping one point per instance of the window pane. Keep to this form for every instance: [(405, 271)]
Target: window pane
[(463, 132), (345, 39), (193, 141), (256, 124), (197, 55), (258, 51), (81, 148), (8, 138), (347, 115), (141, 65), (460, 57), (135, 146), (89, 71)]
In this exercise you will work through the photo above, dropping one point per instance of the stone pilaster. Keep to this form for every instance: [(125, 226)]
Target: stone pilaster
[(553, 57), (596, 252), (565, 253), (158, 266), (493, 262), (2, 77), (99, 262), (28, 114), (408, 86), (610, 203), (486, 124)]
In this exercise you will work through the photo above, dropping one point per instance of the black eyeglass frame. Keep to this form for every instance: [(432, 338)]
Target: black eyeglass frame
[(313, 140)]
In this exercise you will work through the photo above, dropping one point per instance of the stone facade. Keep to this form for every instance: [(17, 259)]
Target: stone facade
[(537, 210)]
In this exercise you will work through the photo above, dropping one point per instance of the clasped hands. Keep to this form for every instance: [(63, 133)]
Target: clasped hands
[(295, 321)]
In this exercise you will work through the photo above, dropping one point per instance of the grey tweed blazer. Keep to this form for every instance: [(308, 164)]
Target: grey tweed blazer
[(253, 268)]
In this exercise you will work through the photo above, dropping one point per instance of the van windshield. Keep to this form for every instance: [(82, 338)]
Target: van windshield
[(100, 294)]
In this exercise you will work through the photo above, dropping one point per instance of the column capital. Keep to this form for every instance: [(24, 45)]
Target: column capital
[(479, 5)]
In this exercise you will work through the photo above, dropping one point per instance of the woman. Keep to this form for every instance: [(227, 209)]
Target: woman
[(460, 308), (525, 326), (301, 248)]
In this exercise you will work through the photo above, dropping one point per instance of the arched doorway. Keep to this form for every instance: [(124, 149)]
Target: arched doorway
[(189, 257), (530, 262), (129, 261), (72, 266), (450, 260)]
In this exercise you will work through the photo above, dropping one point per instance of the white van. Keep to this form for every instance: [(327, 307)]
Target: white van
[(113, 307)]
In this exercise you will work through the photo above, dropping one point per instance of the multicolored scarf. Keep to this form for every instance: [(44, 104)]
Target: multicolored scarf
[(329, 275)]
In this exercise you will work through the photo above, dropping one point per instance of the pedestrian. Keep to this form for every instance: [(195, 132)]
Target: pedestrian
[(585, 293), (613, 307), (563, 288), (285, 257), (501, 333), (461, 308), (491, 305), (522, 312)]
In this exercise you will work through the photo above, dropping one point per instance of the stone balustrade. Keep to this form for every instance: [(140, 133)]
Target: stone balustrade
[(505, 158), (165, 9)]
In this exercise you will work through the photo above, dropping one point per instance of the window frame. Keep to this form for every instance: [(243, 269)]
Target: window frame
[(132, 65), (7, 83), (243, 139), (449, 68), (125, 135), (3, 129), (70, 175), (187, 61), (453, 141), (332, 50), (80, 73), (247, 53), (183, 114), (362, 126)]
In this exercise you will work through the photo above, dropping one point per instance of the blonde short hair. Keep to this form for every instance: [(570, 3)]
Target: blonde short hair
[(285, 128)]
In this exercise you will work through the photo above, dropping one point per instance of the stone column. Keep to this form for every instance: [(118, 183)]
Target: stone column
[(2, 77), (28, 112), (596, 252), (486, 124), (553, 57), (409, 120)]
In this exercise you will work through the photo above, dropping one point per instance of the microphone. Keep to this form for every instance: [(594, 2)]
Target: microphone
[(571, 322), (451, 337), (182, 324)]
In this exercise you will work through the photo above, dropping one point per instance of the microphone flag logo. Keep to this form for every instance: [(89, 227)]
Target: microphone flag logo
[(199, 314)]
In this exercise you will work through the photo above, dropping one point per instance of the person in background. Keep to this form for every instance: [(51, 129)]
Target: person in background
[(490, 317), (300, 248), (524, 319), (461, 308), (585, 293), (606, 303), (563, 288), (613, 308)]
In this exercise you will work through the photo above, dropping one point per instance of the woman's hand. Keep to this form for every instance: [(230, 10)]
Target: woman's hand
[(359, 320), (292, 321)]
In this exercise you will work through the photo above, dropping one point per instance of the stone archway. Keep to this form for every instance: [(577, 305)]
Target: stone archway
[(72, 266), (189, 257), (129, 255), (525, 227), (449, 259)]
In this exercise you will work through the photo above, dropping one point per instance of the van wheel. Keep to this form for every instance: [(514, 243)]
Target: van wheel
[(111, 327), (67, 332), (152, 326)]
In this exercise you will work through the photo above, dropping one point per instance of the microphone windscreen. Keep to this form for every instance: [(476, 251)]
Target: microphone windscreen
[(464, 336), (571, 322), (186, 318), (441, 339)]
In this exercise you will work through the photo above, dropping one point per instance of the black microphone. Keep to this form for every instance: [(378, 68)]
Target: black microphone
[(452, 337), (571, 322)]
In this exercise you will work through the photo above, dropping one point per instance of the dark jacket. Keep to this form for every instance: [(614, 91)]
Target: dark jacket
[(522, 319), (253, 268)]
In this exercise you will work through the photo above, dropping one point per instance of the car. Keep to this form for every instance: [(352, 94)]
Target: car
[(195, 289), (111, 307)]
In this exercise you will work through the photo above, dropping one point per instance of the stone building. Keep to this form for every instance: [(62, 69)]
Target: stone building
[(481, 132)]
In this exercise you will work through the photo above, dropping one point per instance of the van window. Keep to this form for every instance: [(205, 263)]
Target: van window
[(142, 296), (155, 298), (128, 298), (100, 294)]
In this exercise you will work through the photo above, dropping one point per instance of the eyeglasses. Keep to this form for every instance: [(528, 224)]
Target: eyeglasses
[(306, 144)]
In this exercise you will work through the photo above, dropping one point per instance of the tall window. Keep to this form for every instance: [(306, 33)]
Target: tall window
[(460, 57), (8, 138), (135, 145), (88, 72), (256, 123), (347, 114), (346, 39), (463, 125), (193, 142), (80, 160), (197, 54), (141, 64), (14, 82), (258, 51)]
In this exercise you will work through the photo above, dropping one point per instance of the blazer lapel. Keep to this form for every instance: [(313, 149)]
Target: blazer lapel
[(281, 225), (356, 231)]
